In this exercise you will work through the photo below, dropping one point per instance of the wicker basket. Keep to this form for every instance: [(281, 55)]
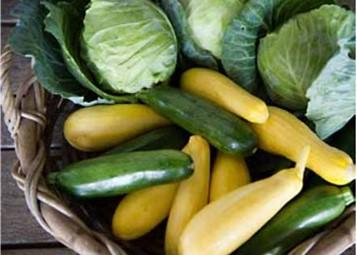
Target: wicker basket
[(30, 116)]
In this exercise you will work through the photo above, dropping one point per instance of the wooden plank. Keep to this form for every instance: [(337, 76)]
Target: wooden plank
[(17, 224), (43, 251), (6, 7)]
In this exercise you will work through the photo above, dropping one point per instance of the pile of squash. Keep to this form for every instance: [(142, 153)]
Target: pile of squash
[(211, 205)]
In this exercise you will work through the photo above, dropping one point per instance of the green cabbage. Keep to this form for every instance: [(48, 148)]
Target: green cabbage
[(239, 50), (290, 59), (332, 95), (189, 48), (208, 20), (128, 44)]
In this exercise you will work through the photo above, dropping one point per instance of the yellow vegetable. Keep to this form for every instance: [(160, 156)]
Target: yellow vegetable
[(141, 211), (225, 224), (192, 194), (101, 127), (286, 135), (229, 173), (221, 90)]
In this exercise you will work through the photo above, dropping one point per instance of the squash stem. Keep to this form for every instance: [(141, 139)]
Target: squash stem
[(301, 162)]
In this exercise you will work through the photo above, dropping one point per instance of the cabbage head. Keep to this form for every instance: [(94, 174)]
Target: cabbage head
[(291, 58), (208, 20), (127, 44)]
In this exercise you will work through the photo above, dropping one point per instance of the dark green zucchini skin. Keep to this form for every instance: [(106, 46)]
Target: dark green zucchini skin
[(121, 173), (170, 137), (300, 219), (222, 129)]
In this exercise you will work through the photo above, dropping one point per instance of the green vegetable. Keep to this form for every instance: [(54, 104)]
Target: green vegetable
[(332, 95), (240, 40), (291, 58), (222, 129), (129, 44), (242, 35), (122, 173), (29, 39), (64, 22), (208, 20), (288, 8), (113, 53), (300, 219), (162, 138), (189, 48)]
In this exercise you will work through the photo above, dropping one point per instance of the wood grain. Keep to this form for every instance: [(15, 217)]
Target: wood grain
[(6, 7), (44, 251), (17, 224)]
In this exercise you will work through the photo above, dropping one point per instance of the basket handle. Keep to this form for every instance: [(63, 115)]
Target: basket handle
[(25, 118)]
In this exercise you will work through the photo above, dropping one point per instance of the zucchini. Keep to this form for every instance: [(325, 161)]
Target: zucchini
[(170, 137), (299, 220), (122, 173), (222, 129)]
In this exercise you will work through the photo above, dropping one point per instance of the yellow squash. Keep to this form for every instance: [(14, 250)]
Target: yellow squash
[(219, 89), (229, 172), (225, 224), (192, 194), (141, 211), (101, 127), (286, 135)]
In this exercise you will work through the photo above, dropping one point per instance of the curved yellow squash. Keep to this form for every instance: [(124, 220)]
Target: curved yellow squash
[(229, 173), (141, 211), (225, 224), (101, 127), (219, 89), (192, 194), (286, 135)]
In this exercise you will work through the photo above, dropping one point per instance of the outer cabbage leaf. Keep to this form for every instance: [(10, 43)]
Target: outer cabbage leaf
[(288, 8), (64, 22), (332, 95), (29, 39), (291, 58), (189, 48), (242, 35), (208, 20), (128, 44), (240, 42)]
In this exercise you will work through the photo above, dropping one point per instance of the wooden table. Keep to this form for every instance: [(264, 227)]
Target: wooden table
[(20, 232)]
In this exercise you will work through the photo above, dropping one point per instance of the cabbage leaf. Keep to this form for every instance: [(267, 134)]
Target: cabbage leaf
[(188, 46), (208, 20), (128, 44), (64, 23), (28, 38), (241, 38), (332, 95), (291, 58), (239, 43)]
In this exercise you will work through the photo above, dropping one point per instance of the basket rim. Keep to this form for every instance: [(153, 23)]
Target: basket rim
[(48, 208)]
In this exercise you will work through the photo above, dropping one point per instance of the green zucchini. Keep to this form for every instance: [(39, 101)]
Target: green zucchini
[(300, 219), (222, 129), (122, 173), (170, 137)]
